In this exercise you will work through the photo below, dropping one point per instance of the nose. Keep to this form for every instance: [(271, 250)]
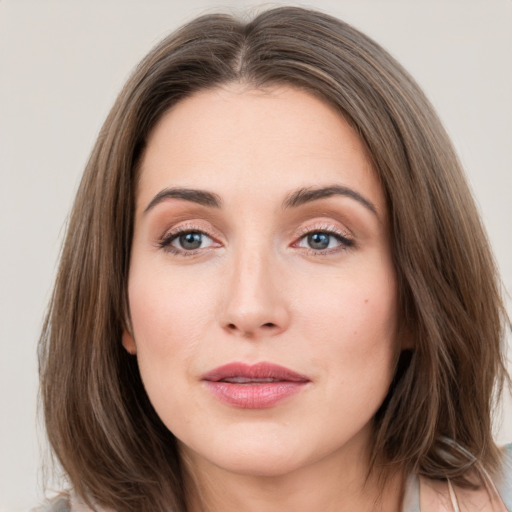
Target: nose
[(255, 305)]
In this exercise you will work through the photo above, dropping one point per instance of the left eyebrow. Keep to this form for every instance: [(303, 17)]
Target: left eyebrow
[(306, 195)]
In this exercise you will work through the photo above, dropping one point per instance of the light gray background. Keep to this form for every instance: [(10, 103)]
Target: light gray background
[(61, 66)]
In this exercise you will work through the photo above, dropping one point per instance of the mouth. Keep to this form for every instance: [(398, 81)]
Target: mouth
[(256, 386)]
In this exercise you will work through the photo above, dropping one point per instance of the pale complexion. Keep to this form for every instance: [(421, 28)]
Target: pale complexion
[(253, 270)]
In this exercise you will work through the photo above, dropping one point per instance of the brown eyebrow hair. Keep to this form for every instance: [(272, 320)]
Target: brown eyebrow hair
[(188, 194), (305, 195), (297, 198)]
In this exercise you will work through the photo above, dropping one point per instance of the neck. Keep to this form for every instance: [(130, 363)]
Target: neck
[(328, 484)]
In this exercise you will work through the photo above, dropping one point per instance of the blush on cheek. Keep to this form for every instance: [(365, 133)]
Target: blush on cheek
[(168, 323), (373, 334)]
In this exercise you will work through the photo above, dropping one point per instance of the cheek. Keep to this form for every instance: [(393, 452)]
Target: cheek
[(353, 323), (172, 314), (168, 310), (170, 322), (363, 309)]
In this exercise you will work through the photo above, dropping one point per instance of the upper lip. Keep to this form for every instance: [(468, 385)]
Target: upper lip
[(256, 372)]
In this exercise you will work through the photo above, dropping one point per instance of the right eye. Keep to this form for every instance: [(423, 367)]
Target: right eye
[(186, 242)]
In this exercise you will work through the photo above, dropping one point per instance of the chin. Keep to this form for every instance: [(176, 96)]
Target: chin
[(271, 462), (261, 464), (247, 455)]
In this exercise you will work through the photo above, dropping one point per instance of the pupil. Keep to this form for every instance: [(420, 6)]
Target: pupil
[(318, 241), (191, 241)]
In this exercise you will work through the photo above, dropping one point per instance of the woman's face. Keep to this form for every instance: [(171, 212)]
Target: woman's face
[(262, 292)]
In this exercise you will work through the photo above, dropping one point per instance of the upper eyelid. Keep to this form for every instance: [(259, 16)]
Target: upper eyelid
[(177, 234), (166, 242), (312, 225), (333, 228), (343, 239), (324, 226), (179, 231), (188, 226)]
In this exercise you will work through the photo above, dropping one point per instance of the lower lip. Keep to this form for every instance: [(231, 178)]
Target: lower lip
[(254, 396)]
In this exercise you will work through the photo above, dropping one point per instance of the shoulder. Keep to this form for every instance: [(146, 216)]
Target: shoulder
[(59, 504), (496, 493), (426, 495), (68, 502), (504, 481)]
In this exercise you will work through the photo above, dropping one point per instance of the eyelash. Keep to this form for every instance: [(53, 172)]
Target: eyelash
[(169, 237), (345, 242)]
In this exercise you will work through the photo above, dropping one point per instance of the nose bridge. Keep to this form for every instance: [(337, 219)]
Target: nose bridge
[(254, 303)]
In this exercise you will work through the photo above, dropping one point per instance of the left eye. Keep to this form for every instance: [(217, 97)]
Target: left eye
[(190, 240), (321, 240)]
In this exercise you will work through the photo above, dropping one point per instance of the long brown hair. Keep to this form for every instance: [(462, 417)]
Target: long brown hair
[(436, 419)]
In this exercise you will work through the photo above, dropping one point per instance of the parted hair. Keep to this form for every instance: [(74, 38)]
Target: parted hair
[(437, 417)]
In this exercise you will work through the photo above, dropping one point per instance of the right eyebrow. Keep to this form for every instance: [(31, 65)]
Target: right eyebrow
[(202, 197)]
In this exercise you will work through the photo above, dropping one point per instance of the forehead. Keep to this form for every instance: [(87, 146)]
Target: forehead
[(255, 140)]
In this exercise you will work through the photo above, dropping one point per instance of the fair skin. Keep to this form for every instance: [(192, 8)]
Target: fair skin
[(261, 271)]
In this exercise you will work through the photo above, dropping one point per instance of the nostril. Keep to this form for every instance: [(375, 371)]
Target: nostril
[(250, 331)]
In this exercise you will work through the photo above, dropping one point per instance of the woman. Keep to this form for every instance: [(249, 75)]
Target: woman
[(275, 292)]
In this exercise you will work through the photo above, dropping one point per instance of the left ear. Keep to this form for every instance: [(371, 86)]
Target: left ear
[(129, 343)]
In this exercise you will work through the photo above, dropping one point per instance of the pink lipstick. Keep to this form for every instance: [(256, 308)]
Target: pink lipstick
[(255, 386)]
